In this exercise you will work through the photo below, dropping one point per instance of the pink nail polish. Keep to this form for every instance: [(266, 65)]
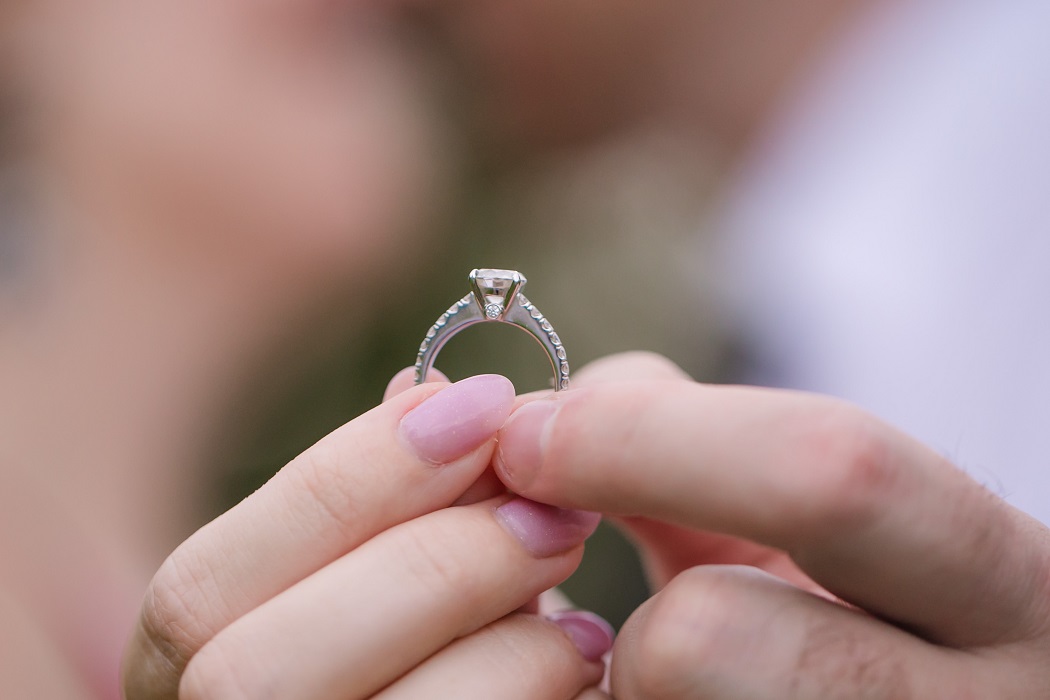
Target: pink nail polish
[(458, 419), (546, 530), (592, 636), (523, 442)]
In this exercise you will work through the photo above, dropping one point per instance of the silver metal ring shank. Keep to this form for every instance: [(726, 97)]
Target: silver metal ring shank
[(466, 312)]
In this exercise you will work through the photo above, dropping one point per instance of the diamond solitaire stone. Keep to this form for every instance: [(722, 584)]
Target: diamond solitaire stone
[(498, 281), (495, 290)]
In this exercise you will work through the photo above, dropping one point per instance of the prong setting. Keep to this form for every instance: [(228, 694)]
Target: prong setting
[(495, 296)]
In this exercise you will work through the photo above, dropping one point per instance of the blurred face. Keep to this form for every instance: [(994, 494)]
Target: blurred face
[(230, 132), (549, 72), (556, 72)]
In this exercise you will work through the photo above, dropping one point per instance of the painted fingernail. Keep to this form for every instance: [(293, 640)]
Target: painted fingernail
[(592, 636), (459, 418), (523, 442), (546, 530)]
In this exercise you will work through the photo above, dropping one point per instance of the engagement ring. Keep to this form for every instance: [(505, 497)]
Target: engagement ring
[(495, 297)]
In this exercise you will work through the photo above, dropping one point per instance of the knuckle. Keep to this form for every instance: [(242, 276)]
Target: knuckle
[(849, 474), (172, 619), (838, 661), (679, 641)]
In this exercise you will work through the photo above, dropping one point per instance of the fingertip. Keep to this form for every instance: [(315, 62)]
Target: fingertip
[(545, 530), (458, 419), (406, 379), (630, 366), (592, 636)]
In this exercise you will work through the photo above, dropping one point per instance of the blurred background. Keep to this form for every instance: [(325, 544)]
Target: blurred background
[(225, 226), (604, 222), (800, 195), (572, 157)]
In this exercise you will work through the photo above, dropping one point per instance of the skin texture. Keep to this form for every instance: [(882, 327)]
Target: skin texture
[(194, 179), (929, 585), (348, 571)]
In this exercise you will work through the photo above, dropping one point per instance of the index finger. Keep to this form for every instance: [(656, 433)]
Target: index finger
[(409, 456), (873, 516)]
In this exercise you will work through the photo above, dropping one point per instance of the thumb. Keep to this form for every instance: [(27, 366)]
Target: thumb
[(668, 549), (629, 366)]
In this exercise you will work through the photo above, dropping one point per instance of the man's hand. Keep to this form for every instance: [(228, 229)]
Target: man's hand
[(926, 584)]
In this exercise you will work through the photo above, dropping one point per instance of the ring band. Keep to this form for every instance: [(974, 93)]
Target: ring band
[(495, 297)]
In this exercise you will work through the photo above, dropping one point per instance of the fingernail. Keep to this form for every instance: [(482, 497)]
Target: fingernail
[(523, 442), (592, 636), (459, 418), (546, 530)]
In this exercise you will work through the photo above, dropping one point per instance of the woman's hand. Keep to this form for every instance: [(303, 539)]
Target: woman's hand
[(349, 575), (938, 589)]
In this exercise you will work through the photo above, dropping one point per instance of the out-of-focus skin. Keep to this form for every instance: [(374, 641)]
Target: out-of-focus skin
[(189, 179), (800, 548), (548, 74)]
